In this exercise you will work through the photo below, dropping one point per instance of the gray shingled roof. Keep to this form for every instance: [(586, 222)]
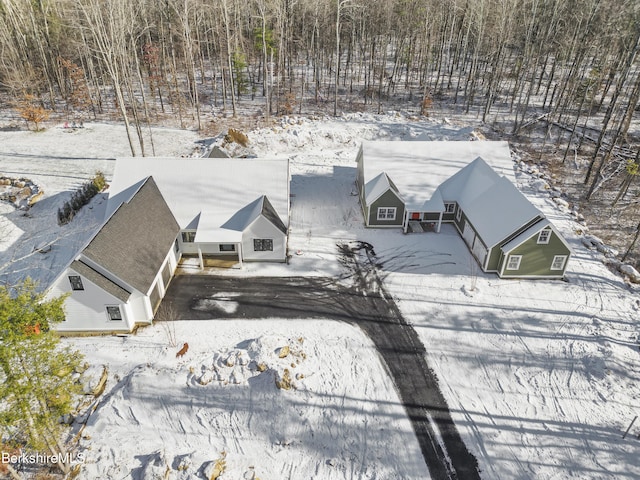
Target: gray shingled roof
[(135, 240), (100, 280)]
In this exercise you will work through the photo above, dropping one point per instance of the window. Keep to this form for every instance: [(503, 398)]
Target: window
[(114, 314), (514, 262), (227, 247), (543, 236), (459, 214), (188, 237), (176, 246), (449, 207), (76, 282), (263, 245), (558, 262), (387, 213)]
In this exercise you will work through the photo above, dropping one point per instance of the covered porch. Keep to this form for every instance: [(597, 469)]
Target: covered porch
[(426, 217)]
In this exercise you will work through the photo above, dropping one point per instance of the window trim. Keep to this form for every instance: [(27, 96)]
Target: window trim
[(387, 214), (459, 214), (557, 257), (544, 236), (226, 248), (75, 287), (515, 258), (110, 317), (261, 242), (450, 207)]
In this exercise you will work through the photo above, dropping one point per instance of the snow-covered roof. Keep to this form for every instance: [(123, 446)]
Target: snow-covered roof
[(499, 211), (206, 192), (417, 168), (377, 186), (524, 236)]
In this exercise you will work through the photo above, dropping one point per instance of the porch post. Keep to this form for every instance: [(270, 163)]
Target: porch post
[(240, 254), (439, 223), (200, 257), (405, 220)]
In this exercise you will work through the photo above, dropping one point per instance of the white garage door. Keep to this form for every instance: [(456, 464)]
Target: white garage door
[(468, 234), (479, 251)]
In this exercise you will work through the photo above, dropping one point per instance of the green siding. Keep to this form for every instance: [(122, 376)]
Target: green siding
[(495, 257), (431, 217), (537, 258), (387, 199)]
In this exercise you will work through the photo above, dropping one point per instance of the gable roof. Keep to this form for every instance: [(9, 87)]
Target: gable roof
[(419, 167), (377, 186), (100, 280), (499, 211), (207, 192), (531, 231), (231, 230), (134, 241)]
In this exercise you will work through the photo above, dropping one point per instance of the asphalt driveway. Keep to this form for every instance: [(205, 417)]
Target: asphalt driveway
[(360, 299)]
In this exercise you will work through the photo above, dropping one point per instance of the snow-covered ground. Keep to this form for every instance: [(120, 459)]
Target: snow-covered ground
[(540, 376)]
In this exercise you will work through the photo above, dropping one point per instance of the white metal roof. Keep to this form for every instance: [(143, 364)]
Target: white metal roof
[(417, 168), (212, 188)]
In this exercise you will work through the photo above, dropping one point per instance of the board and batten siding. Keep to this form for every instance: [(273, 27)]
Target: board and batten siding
[(387, 200), (536, 258)]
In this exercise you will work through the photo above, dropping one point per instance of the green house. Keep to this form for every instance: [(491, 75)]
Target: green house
[(418, 186)]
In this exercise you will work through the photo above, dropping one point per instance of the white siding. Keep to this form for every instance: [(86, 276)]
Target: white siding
[(86, 309), (262, 228)]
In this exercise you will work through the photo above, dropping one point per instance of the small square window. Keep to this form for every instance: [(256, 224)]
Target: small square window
[(176, 246), (544, 236), (188, 237), (114, 313), (459, 214), (263, 245), (76, 282), (227, 247), (514, 262), (387, 213), (449, 207), (558, 262)]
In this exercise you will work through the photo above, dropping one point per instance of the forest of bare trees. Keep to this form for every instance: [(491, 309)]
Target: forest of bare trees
[(553, 63)]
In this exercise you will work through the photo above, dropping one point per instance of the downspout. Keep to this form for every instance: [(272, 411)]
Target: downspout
[(200, 257), (439, 223), (240, 253)]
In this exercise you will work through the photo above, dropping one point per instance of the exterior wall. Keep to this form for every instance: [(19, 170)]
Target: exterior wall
[(388, 199), (170, 259), (431, 217), (190, 248), (262, 228), (460, 226), (360, 185), (86, 309), (495, 259), (536, 258), (214, 249)]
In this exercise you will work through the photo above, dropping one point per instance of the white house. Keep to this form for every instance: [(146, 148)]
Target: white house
[(118, 280), (236, 207), (159, 210)]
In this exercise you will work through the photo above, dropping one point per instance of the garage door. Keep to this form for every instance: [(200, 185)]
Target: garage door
[(479, 251), (155, 297), (468, 234)]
